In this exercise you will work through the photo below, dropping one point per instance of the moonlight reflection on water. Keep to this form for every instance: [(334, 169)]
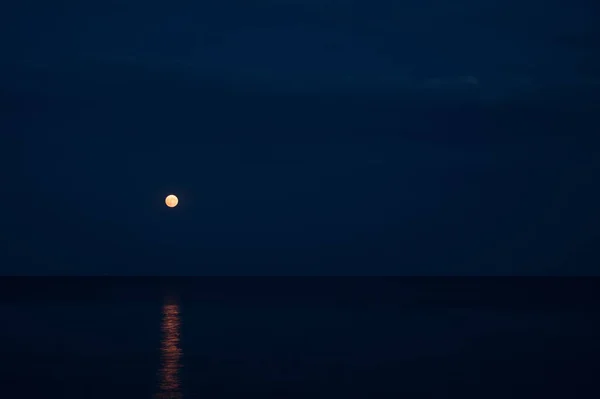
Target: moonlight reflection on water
[(170, 384)]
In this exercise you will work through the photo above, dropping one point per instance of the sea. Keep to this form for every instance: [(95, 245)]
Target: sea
[(354, 337)]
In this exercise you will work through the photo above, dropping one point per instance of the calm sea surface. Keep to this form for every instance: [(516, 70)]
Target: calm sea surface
[(177, 344)]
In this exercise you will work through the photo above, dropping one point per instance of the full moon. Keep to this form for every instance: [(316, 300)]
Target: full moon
[(171, 201)]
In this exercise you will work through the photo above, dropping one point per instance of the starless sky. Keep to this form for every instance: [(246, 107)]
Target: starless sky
[(301, 137)]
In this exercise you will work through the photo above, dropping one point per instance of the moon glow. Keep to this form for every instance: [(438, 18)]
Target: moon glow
[(171, 201)]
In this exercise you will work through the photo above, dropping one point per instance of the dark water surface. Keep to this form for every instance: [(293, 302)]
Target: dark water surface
[(292, 338)]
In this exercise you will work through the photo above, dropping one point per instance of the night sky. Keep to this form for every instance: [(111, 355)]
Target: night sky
[(301, 137)]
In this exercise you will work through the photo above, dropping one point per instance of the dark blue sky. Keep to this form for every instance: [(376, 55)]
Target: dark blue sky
[(302, 137)]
